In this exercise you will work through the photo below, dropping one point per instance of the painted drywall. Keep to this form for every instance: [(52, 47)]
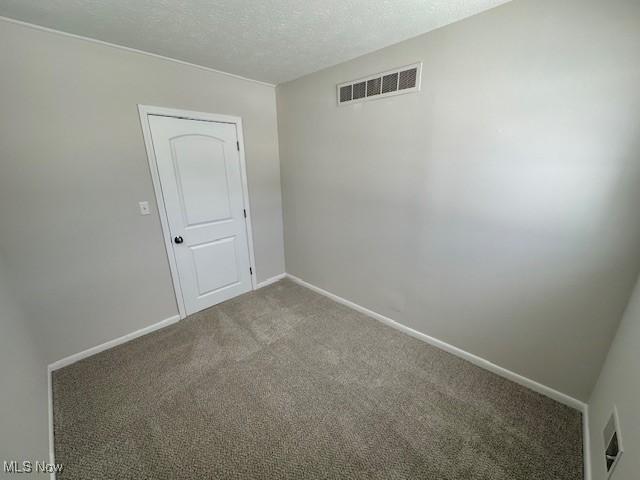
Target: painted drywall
[(619, 385), (88, 267), (495, 210), (23, 375)]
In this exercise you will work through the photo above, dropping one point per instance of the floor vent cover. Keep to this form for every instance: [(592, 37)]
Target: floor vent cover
[(393, 82)]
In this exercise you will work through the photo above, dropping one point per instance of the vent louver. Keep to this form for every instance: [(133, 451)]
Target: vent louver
[(393, 82), (345, 93), (373, 87), (407, 79), (612, 442), (359, 90), (390, 83)]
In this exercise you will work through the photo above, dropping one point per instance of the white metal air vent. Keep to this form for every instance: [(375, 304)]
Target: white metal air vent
[(612, 442), (393, 82)]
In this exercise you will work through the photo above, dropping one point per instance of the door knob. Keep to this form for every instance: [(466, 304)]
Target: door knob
[(178, 239)]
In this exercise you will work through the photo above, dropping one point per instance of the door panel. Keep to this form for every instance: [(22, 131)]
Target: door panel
[(199, 169), (201, 174), (216, 265)]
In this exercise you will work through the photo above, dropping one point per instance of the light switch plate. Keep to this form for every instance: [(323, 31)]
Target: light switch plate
[(144, 208)]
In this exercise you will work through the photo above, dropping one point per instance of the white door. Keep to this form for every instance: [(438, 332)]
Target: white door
[(199, 169)]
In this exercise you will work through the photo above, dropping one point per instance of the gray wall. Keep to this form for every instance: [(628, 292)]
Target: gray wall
[(23, 376), (619, 385), (88, 267), (495, 210)]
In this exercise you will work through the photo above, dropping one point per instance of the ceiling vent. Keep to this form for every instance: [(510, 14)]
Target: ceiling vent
[(393, 82)]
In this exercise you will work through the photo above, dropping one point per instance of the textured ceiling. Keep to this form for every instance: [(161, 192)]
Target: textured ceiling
[(268, 40)]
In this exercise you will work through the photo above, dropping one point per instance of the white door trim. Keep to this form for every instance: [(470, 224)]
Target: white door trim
[(145, 111)]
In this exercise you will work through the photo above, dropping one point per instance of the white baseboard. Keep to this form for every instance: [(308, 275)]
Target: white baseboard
[(586, 443), (111, 343), (479, 361), (138, 333), (50, 412), (271, 280)]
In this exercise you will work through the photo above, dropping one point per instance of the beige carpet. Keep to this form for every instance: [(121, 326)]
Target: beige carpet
[(285, 384)]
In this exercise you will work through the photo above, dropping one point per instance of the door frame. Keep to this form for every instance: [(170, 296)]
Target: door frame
[(144, 112)]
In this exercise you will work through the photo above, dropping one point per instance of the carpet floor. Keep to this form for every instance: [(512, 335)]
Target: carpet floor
[(283, 383)]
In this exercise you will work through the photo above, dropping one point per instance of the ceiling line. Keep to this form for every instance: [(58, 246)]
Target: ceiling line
[(131, 50)]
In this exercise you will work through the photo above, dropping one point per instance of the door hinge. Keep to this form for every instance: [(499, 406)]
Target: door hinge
[(250, 271), (238, 145), (244, 210)]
